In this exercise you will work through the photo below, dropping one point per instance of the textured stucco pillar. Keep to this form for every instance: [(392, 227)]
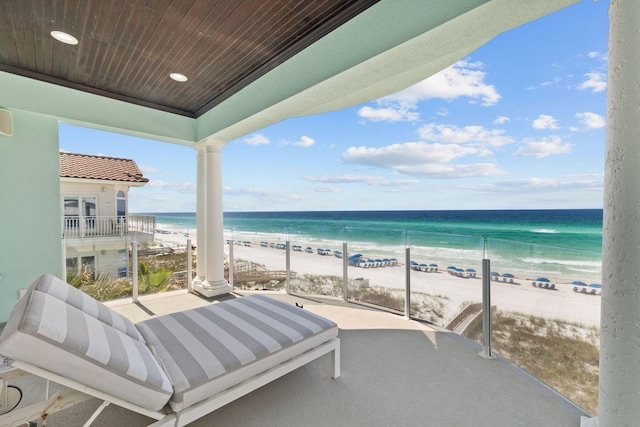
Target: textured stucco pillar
[(619, 397), (201, 232), (214, 283)]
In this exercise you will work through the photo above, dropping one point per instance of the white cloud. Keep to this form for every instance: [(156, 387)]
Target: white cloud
[(256, 139), (452, 171), (148, 169), (377, 181), (304, 141), (462, 79), (184, 187), (476, 136), (545, 122), (269, 195), (388, 114), (500, 120), (326, 189), (156, 183), (410, 153), (422, 159), (596, 82), (541, 185), (543, 148), (591, 120)]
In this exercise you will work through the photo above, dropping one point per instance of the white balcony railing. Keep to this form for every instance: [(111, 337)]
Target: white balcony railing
[(107, 226)]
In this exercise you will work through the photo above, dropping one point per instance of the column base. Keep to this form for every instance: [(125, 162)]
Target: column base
[(212, 289), (588, 422)]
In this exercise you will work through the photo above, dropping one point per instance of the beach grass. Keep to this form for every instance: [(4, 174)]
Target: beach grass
[(564, 355)]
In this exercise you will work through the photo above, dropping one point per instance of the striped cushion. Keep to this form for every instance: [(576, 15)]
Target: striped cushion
[(78, 299), (98, 348), (200, 348)]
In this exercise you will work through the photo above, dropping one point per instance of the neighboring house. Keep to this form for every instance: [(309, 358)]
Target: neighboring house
[(97, 230)]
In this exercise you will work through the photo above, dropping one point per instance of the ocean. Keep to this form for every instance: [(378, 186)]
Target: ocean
[(565, 243)]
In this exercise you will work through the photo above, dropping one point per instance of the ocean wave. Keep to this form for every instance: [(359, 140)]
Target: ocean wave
[(574, 263), (545, 231)]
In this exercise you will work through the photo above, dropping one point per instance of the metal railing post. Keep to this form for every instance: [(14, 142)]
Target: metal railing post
[(232, 262), (486, 305), (345, 272), (189, 272), (134, 268), (407, 283), (288, 261)]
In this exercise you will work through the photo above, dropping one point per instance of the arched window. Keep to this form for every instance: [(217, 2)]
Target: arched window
[(121, 206)]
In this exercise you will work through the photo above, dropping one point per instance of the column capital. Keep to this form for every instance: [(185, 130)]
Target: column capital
[(209, 146)]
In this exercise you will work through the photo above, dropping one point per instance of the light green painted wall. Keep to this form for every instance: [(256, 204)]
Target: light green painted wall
[(29, 205)]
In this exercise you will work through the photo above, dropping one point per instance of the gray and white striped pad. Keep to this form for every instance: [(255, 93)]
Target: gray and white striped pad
[(83, 302), (81, 335), (199, 345)]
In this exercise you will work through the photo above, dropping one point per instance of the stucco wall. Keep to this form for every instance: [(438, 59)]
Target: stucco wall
[(30, 242)]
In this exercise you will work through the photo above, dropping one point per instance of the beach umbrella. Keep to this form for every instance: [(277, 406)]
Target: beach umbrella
[(542, 279), (433, 265), (451, 267), (595, 286), (508, 275), (578, 283), (470, 270)]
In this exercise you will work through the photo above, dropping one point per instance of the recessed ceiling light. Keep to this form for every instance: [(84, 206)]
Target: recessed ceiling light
[(178, 77), (64, 37)]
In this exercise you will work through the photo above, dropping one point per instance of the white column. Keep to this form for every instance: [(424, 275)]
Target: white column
[(619, 388), (201, 232), (215, 283)]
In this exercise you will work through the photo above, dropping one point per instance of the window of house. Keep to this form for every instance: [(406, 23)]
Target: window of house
[(121, 206), (71, 212), (122, 263), (85, 264)]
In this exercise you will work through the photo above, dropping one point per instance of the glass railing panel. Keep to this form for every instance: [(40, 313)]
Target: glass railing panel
[(445, 276), (316, 261), (259, 260), (547, 314), (102, 271), (375, 267)]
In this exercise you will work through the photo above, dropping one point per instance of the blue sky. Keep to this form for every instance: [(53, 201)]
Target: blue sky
[(517, 124)]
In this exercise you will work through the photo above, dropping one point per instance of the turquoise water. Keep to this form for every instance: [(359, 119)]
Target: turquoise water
[(532, 242)]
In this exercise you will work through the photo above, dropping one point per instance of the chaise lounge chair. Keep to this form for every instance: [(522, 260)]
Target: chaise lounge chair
[(174, 368)]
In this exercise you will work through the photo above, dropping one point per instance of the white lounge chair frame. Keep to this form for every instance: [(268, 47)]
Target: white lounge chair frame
[(74, 393), (211, 393)]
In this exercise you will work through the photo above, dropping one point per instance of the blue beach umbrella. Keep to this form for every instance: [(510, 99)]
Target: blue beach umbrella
[(542, 279), (508, 275), (578, 283)]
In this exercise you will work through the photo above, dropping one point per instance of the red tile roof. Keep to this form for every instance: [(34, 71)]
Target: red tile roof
[(99, 167)]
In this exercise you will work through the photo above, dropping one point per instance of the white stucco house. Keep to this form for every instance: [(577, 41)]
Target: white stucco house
[(97, 230)]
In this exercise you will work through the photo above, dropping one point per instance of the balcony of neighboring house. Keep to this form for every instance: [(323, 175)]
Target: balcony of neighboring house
[(108, 229)]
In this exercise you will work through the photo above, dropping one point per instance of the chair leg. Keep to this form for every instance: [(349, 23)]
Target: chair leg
[(336, 360), (95, 414)]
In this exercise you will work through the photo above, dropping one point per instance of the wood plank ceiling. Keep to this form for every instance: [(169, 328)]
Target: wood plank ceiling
[(128, 48)]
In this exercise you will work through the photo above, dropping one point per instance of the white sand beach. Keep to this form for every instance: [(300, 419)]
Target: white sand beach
[(561, 303)]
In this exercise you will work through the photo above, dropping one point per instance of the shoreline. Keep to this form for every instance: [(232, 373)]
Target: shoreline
[(561, 303)]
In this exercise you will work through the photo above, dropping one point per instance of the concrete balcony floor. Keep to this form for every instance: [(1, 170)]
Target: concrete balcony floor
[(394, 372)]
